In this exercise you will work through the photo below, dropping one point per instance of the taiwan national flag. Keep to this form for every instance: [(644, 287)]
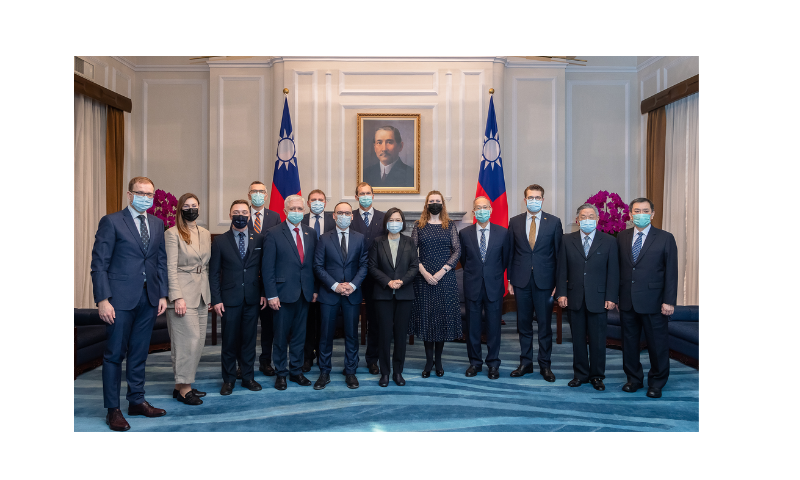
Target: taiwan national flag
[(286, 176)]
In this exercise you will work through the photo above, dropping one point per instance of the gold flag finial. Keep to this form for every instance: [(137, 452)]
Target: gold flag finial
[(491, 91), (286, 91)]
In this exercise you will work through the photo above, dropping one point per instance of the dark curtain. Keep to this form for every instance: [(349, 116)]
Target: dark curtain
[(115, 148), (656, 153)]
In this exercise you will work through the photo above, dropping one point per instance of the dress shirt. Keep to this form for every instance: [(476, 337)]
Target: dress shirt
[(236, 238), (253, 216), (312, 220), (385, 169), (591, 238), (646, 231), (371, 213), (346, 232), (538, 217), (138, 222), (478, 231)]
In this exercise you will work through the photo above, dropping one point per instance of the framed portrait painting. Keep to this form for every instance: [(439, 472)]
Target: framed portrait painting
[(388, 151)]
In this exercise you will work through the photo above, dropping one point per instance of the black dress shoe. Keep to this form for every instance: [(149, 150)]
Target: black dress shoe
[(494, 373), (547, 374), (374, 370), (251, 385), (522, 370), (654, 392), (307, 366), (280, 383), (398, 379), (323, 380), (440, 373), (227, 389), (426, 373), (471, 371), (598, 384), (351, 381), (238, 373), (384, 381), (189, 399), (631, 387), (300, 380), (266, 369), (146, 409), (196, 392), (575, 382)]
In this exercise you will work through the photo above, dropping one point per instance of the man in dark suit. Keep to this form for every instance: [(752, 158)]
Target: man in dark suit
[(237, 294), (129, 280), (485, 252), (588, 286), (369, 222), (319, 220), (535, 240), (390, 171), (288, 273), (340, 264), (648, 292)]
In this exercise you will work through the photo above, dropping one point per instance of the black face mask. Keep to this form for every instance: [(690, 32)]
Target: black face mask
[(435, 208), (240, 221), (190, 214)]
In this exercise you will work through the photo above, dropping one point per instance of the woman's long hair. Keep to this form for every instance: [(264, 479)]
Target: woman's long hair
[(425, 216), (182, 228)]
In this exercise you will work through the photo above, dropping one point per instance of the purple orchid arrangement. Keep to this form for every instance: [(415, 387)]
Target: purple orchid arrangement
[(613, 212), (164, 207)]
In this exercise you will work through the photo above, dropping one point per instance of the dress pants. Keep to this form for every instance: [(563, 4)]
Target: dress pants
[(581, 323), (239, 340), (313, 326), (187, 334), (373, 336), (267, 335), (129, 334), (533, 299), (393, 317), (350, 318), (494, 312), (289, 323), (655, 331)]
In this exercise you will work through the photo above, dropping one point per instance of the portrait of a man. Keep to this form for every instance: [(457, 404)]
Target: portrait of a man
[(389, 152)]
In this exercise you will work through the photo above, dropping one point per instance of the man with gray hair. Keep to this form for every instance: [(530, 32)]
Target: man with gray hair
[(390, 171), (587, 285)]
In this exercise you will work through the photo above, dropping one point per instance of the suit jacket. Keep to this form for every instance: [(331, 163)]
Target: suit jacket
[(283, 274), (543, 259), (653, 279), (498, 253), (329, 224), (330, 267), (187, 268), (594, 277), (401, 175), (269, 220), (119, 265), (234, 281), (383, 270), (375, 229)]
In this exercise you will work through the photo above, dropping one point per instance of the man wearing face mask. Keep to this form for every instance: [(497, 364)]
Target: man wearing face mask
[(129, 283), (369, 222), (237, 294), (648, 259), (535, 240), (340, 264), (587, 286)]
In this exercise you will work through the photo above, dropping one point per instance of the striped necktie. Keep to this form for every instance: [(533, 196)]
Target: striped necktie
[(483, 245), (637, 246), (586, 245), (257, 223)]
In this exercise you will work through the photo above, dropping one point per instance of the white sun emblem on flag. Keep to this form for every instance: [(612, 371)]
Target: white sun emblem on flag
[(491, 153), (286, 151)]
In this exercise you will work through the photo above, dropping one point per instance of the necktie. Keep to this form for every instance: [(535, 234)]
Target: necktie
[(637, 246), (532, 233), (366, 218), (344, 247), (586, 246), (299, 242), (143, 232), (241, 245), (257, 225), (316, 225), (483, 245)]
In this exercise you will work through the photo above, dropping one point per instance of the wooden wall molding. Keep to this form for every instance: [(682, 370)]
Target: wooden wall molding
[(687, 87), (102, 94)]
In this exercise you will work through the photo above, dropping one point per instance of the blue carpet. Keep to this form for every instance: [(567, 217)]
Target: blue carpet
[(450, 403)]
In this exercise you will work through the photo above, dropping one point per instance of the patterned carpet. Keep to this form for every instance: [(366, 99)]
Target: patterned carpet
[(450, 403)]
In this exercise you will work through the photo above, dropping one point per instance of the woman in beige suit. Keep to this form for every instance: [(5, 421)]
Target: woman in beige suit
[(188, 252)]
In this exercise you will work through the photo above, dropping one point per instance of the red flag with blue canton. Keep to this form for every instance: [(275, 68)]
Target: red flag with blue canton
[(286, 176)]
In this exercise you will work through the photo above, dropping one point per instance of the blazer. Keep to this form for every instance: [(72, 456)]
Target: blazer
[(283, 274), (119, 264), (593, 277), (542, 260), (330, 267), (382, 270), (653, 279), (375, 229), (401, 175), (498, 254), (329, 224), (234, 281), (270, 220), (187, 268)]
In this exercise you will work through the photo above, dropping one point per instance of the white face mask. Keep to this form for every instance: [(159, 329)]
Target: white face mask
[(317, 207)]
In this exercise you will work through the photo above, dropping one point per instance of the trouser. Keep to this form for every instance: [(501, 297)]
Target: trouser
[(582, 322), (494, 312), (313, 327), (289, 323), (267, 335), (187, 335), (373, 336), (328, 325), (532, 299), (239, 340), (393, 317), (128, 337), (655, 331)]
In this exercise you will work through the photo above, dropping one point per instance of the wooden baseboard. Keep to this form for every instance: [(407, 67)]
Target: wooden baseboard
[(160, 347), (685, 359), (85, 367)]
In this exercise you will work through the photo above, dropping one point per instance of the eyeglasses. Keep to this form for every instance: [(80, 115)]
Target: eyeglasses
[(258, 191), (144, 194), (482, 208), (535, 198), (346, 214)]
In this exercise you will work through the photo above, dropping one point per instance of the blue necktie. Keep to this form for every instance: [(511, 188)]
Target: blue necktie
[(366, 218), (637, 246), (316, 225), (483, 245), (241, 245), (586, 246), (143, 232)]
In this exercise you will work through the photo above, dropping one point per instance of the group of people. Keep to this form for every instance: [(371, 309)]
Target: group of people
[(300, 275)]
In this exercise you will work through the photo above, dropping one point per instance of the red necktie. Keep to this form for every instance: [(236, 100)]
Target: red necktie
[(299, 244)]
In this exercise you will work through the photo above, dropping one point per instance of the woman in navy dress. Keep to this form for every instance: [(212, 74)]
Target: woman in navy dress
[(435, 313)]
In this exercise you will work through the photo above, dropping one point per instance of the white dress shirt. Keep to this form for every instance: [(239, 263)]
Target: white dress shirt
[(312, 220), (261, 217), (385, 169), (339, 233), (371, 212), (646, 231), (478, 231), (138, 222), (538, 217)]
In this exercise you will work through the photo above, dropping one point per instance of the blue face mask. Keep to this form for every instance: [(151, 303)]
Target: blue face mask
[(588, 226), (641, 220), (343, 221), (294, 217), (394, 227), (534, 205), (257, 199), (141, 203), (483, 215), (365, 201), (317, 207)]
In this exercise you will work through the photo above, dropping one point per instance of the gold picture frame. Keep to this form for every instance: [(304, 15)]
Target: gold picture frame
[(377, 133)]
